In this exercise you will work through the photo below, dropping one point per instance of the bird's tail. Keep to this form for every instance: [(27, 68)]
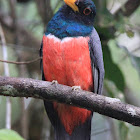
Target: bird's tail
[(81, 132)]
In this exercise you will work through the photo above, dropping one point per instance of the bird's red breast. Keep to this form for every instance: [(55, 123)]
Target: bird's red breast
[(68, 62)]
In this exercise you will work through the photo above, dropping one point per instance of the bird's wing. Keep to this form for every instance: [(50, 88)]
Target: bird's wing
[(41, 55), (97, 61)]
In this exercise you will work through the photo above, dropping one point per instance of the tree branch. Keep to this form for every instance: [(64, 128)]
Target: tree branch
[(129, 7), (21, 63), (25, 87)]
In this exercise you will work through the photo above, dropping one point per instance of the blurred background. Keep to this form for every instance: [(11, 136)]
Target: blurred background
[(118, 24)]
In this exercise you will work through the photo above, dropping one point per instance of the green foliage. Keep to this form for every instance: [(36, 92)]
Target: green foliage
[(130, 33), (15, 110), (112, 71), (120, 24), (124, 129), (121, 58), (136, 62), (105, 32), (6, 134)]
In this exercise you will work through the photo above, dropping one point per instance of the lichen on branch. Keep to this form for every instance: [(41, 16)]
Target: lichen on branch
[(112, 107)]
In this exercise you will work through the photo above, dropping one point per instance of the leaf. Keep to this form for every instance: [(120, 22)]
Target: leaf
[(135, 62), (130, 33), (124, 130), (6, 134), (105, 32), (112, 71)]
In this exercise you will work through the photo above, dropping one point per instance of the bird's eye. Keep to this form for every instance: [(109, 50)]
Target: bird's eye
[(87, 11)]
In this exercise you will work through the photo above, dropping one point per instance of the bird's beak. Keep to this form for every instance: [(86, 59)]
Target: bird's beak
[(72, 4)]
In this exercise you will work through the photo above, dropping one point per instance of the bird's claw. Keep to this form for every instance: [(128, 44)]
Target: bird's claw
[(54, 82), (76, 88)]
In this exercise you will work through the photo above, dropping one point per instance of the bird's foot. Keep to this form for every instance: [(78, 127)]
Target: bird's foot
[(76, 88), (54, 82)]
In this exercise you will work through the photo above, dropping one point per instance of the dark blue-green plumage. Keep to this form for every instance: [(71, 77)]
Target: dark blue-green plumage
[(68, 23)]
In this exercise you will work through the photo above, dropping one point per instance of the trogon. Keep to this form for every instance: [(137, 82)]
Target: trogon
[(71, 54)]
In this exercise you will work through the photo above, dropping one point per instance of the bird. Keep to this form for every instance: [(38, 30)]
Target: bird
[(71, 54)]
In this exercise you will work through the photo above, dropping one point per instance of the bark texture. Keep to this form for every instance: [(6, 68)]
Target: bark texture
[(112, 107)]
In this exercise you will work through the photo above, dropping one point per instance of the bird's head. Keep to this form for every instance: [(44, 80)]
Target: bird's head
[(83, 8)]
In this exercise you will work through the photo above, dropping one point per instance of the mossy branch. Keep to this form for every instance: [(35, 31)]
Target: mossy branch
[(112, 107)]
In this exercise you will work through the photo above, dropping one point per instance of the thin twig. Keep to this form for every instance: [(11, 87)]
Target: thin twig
[(21, 63)]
